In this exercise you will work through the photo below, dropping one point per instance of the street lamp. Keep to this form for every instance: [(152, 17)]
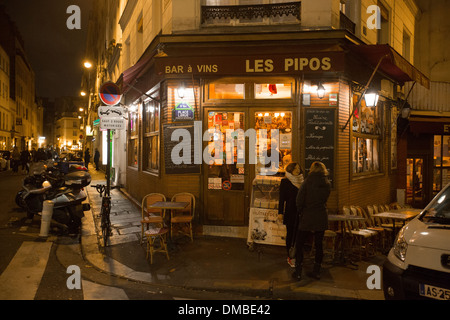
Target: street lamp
[(371, 98), (87, 65)]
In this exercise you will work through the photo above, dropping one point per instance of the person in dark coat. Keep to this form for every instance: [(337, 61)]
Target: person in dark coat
[(25, 158), (287, 205), (87, 158), (313, 216), (96, 159)]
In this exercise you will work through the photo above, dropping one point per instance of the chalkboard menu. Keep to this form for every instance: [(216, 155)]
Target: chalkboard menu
[(320, 124), (188, 164)]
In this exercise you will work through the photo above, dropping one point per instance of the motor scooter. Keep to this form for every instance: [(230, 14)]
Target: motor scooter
[(68, 206)]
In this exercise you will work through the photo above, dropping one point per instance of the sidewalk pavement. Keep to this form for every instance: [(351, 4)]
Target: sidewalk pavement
[(217, 264)]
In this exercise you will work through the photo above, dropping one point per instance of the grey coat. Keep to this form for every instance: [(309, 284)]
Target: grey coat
[(311, 202)]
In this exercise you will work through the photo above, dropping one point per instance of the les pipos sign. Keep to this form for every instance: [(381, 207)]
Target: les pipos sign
[(248, 65)]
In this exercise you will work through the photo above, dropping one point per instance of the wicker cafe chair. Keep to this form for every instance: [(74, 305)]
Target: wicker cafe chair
[(183, 218), (153, 235), (372, 225), (387, 223), (364, 237), (149, 215)]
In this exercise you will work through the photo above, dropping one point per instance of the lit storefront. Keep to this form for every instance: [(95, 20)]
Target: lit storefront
[(249, 110)]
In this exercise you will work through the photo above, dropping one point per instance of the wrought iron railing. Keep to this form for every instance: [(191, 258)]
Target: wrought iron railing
[(251, 12)]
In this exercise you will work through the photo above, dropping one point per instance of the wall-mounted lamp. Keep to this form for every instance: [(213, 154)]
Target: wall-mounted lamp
[(87, 64), (320, 91), (371, 99), (181, 90)]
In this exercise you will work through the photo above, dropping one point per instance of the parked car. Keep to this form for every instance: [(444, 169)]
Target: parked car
[(418, 265)]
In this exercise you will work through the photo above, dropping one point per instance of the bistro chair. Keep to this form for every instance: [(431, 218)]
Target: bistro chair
[(362, 235), (183, 218), (387, 223), (149, 215), (154, 235), (372, 225)]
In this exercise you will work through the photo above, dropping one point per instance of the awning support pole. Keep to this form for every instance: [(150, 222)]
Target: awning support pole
[(143, 93), (364, 93)]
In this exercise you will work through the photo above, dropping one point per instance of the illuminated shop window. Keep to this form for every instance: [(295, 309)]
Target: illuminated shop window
[(441, 176), (273, 91), (226, 91), (133, 140), (227, 150), (366, 141), (151, 124), (265, 122)]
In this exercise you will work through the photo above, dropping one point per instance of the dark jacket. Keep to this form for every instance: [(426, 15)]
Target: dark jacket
[(287, 206), (311, 202)]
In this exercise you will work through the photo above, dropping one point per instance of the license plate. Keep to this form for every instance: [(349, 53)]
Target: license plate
[(434, 292)]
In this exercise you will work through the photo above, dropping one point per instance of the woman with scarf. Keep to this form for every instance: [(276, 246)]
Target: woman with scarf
[(288, 193)]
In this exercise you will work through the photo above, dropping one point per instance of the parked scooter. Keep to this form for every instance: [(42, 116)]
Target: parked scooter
[(39, 172), (67, 195)]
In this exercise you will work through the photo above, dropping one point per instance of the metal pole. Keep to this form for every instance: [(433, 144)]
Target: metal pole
[(108, 163)]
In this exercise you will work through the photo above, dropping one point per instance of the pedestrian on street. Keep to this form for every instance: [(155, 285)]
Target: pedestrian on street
[(313, 216), (25, 159), (287, 205), (87, 158), (15, 158), (96, 158)]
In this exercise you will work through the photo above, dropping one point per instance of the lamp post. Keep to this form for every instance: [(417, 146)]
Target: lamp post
[(86, 114)]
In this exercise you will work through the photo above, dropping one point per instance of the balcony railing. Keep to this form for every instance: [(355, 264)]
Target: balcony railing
[(252, 13), (346, 24)]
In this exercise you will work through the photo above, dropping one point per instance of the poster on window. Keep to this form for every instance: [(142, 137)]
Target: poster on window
[(266, 227)]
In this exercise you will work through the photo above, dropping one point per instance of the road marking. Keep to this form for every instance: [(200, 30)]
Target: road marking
[(94, 291), (21, 278)]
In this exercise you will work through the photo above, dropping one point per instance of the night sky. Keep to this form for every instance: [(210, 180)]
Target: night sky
[(55, 52)]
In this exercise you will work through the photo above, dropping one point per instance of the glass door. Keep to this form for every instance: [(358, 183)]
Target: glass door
[(225, 167), (415, 182)]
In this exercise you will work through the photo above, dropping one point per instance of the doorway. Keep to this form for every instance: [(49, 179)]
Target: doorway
[(228, 178), (416, 181)]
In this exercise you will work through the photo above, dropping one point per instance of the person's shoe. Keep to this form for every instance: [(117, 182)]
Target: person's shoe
[(291, 262), (297, 275), (315, 274)]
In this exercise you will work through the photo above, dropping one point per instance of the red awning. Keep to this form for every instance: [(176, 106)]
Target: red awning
[(394, 65), (129, 76)]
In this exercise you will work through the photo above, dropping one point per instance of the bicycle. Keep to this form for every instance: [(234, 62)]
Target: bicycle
[(105, 212)]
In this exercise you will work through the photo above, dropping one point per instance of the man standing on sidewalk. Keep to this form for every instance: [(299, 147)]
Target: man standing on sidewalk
[(96, 158), (87, 158)]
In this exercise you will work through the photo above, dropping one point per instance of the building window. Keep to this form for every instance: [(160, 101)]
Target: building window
[(366, 138), (273, 91), (226, 91), (133, 141), (383, 34), (406, 45), (151, 125), (441, 172)]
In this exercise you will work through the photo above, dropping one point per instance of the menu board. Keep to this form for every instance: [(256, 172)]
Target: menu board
[(187, 166), (320, 128)]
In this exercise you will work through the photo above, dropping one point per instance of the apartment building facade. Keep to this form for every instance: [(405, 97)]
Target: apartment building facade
[(24, 114), (301, 68)]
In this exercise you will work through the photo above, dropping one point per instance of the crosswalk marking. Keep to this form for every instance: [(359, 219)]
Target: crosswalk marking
[(21, 278), (94, 291)]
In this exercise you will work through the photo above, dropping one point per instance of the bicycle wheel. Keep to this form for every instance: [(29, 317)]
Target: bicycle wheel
[(105, 222)]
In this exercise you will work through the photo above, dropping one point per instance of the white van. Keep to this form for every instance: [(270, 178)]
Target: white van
[(418, 265)]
